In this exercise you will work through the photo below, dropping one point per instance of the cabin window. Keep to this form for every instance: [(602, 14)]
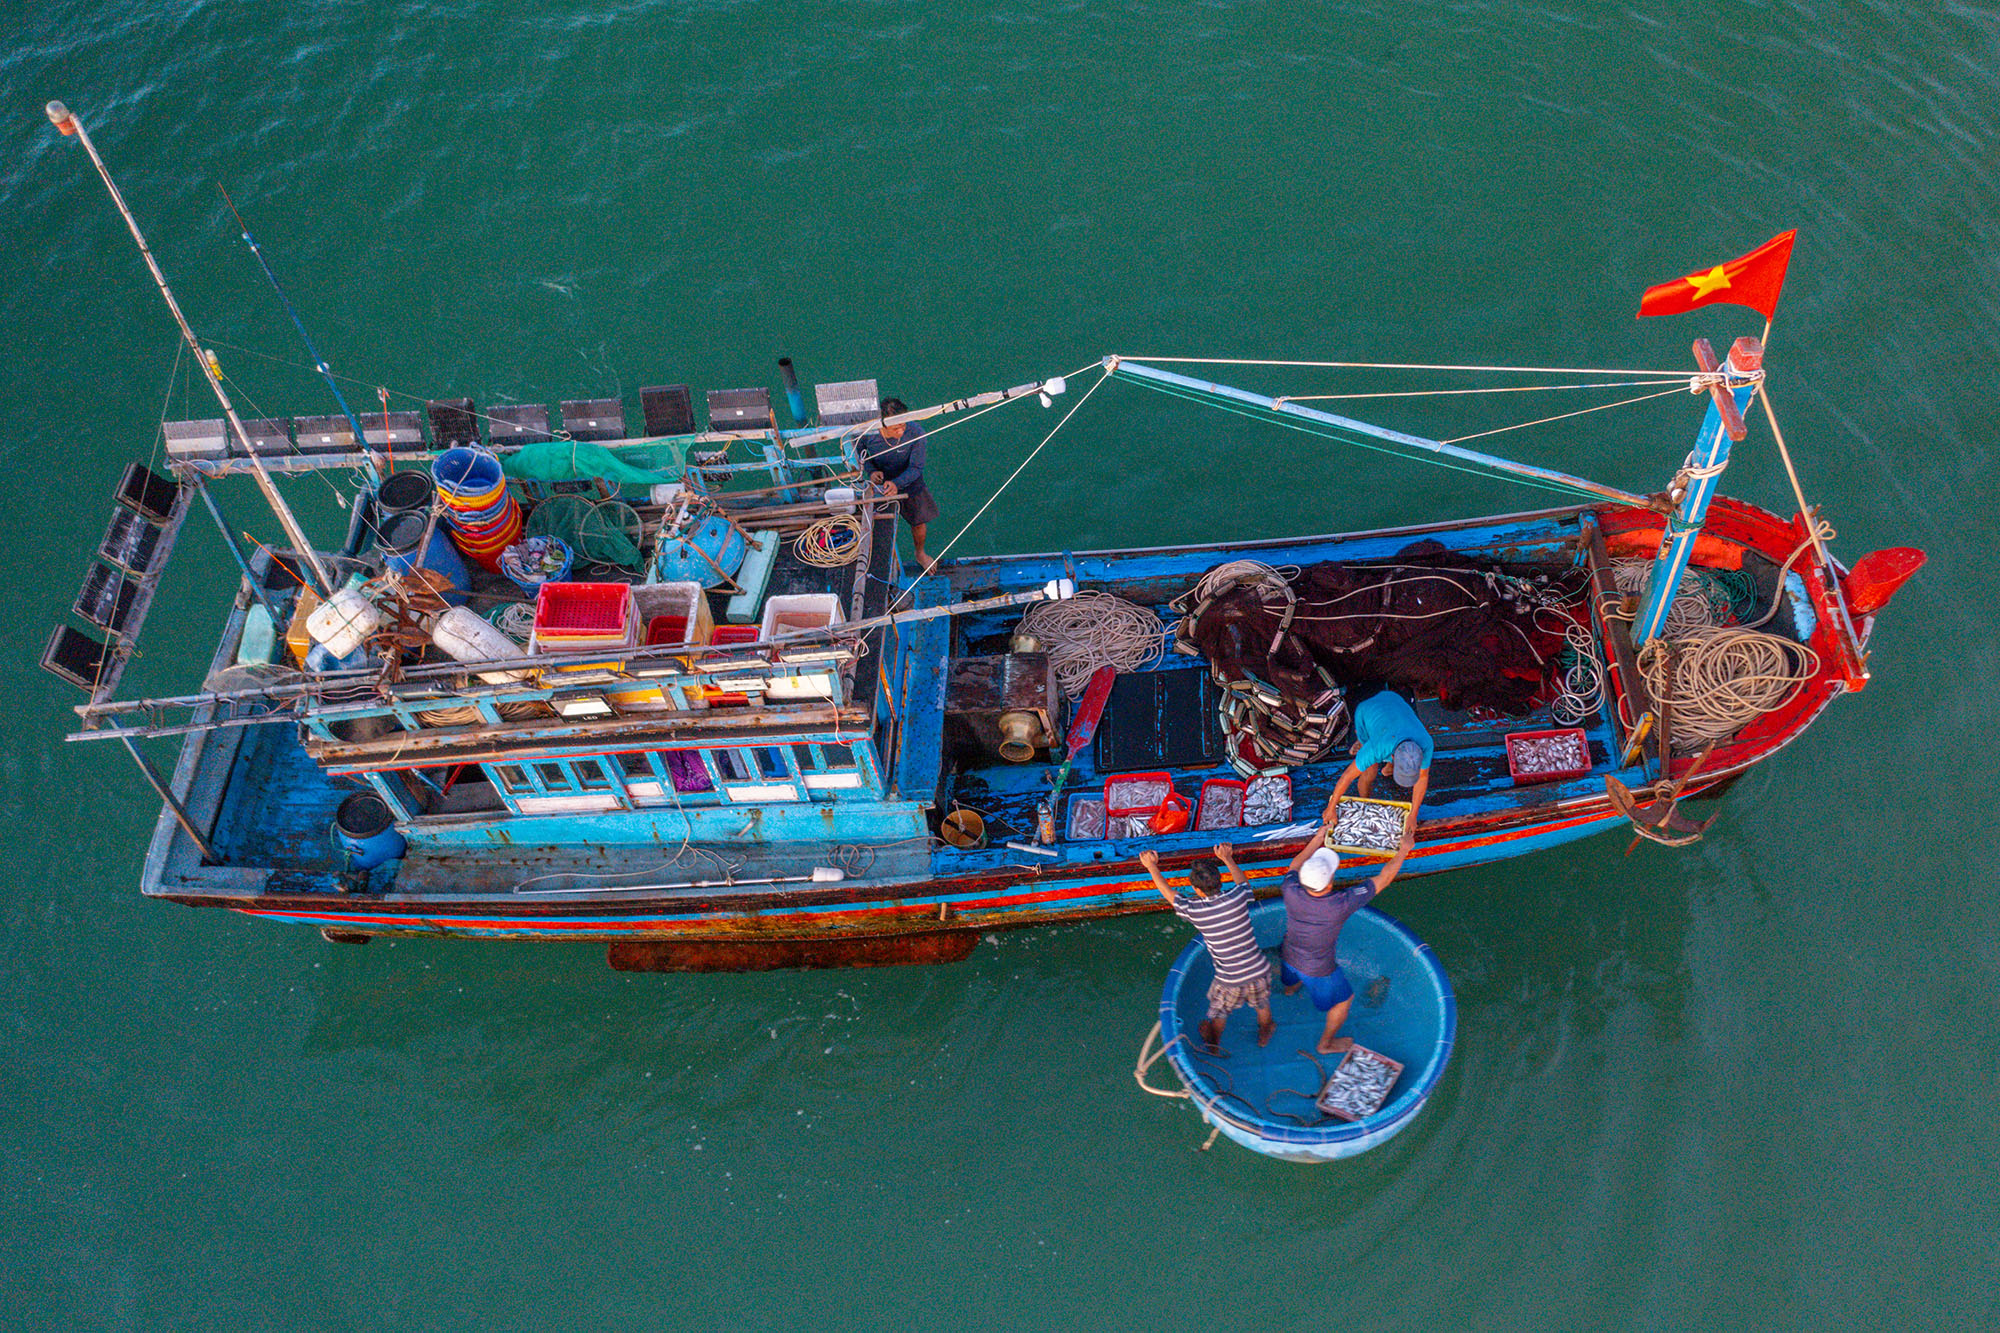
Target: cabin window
[(689, 773), (579, 786), (771, 762), (730, 765), (829, 767)]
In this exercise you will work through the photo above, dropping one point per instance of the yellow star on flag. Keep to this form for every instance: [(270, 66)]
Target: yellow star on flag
[(1705, 284)]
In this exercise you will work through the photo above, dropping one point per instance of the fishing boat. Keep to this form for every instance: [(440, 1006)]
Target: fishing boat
[(1269, 1097), (665, 684)]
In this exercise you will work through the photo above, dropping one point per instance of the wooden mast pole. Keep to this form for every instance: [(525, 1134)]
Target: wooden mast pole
[(61, 117), (1722, 425)]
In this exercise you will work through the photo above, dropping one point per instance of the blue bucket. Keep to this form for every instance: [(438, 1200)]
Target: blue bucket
[(532, 584), (365, 828), (462, 473), (680, 560)]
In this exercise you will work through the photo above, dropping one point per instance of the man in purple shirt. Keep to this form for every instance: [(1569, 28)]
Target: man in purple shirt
[(1314, 913)]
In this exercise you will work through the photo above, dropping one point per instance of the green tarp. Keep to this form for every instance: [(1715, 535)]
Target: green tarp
[(575, 460)]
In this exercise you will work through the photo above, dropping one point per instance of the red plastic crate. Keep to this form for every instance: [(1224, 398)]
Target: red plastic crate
[(584, 610), (1219, 785), (667, 630), (738, 633), (1525, 779), (1112, 809)]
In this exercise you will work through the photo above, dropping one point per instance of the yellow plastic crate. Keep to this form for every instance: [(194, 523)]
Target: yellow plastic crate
[(1366, 808)]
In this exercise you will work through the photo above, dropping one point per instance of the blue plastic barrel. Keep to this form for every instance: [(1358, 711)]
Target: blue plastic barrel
[(681, 560), (398, 539), (365, 827)]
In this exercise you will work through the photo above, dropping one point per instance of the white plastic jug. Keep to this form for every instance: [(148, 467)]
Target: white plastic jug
[(344, 622), (465, 636)]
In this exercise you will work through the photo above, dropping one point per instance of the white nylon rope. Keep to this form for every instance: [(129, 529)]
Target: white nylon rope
[(1561, 416), (1395, 365), (910, 591)]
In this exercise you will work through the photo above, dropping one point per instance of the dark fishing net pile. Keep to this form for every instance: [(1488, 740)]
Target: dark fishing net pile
[(1426, 624)]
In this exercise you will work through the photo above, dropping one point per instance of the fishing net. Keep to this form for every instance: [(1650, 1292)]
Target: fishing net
[(603, 532), (1424, 624)]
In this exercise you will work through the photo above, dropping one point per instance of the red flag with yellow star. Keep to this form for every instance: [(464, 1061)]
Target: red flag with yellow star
[(1754, 280)]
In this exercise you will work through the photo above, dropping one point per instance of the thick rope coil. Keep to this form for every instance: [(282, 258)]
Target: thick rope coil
[(1724, 679), (1092, 630)]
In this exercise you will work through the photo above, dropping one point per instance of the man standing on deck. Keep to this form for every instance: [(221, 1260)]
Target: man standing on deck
[(1390, 741), (1314, 913), (1242, 974), (894, 457)]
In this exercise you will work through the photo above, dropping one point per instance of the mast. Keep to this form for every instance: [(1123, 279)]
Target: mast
[(61, 117), (1722, 425)]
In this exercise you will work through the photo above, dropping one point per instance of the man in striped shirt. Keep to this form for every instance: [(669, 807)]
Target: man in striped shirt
[(1242, 973)]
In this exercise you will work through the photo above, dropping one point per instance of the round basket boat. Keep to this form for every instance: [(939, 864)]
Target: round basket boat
[(1263, 1097)]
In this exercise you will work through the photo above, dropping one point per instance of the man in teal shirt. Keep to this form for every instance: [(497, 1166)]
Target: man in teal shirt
[(1388, 740)]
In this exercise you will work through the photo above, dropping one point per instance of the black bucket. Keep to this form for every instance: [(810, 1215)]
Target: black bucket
[(363, 815), (401, 532), (406, 492)]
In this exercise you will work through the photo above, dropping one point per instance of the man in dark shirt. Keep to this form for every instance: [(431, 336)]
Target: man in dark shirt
[(1314, 913), (1242, 975), (893, 453)]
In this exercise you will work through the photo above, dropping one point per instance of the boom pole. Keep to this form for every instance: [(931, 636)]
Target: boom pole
[(1302, 417), (62, 118)]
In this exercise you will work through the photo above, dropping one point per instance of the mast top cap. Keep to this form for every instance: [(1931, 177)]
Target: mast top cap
[(60, 117)]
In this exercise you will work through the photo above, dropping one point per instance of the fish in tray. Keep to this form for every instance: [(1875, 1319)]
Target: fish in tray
[(1368, 826), (1359, 1085)]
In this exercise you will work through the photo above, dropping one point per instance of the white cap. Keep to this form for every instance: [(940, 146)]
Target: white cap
[(1318, 870)]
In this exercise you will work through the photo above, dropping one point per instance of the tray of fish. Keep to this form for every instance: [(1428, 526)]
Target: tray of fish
[(1137, 791), (1547, 756), (1368, 828), (1221, 805), (1359, 1085), (1086, 818), (1267, 800), (1129, 826)]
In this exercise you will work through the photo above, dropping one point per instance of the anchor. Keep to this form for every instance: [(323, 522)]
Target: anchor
[(1661, 822)]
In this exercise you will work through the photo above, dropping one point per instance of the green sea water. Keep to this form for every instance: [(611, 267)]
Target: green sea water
[(1747, 1085)]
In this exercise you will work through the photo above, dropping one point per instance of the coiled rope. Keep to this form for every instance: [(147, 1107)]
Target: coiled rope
[(1092, 630), (831, 543), (1724, 678)]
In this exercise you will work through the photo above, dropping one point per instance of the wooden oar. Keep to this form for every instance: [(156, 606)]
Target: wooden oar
[(1084, 725)]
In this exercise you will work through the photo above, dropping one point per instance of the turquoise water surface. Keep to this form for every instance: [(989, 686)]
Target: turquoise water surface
[(1747, 1085)]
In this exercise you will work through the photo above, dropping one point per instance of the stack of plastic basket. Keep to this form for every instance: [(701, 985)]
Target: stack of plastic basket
[(485, 519), (584, 618)]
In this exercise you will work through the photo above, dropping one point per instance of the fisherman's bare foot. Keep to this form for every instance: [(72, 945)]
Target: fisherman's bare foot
[(1266, 1029), (1335, 1045), (1293, 989)]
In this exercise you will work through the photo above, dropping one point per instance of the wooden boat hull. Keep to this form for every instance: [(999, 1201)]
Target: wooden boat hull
[(921, 917)]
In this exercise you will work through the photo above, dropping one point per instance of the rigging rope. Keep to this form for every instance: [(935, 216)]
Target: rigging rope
[(1393, 365), (910, 592)]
